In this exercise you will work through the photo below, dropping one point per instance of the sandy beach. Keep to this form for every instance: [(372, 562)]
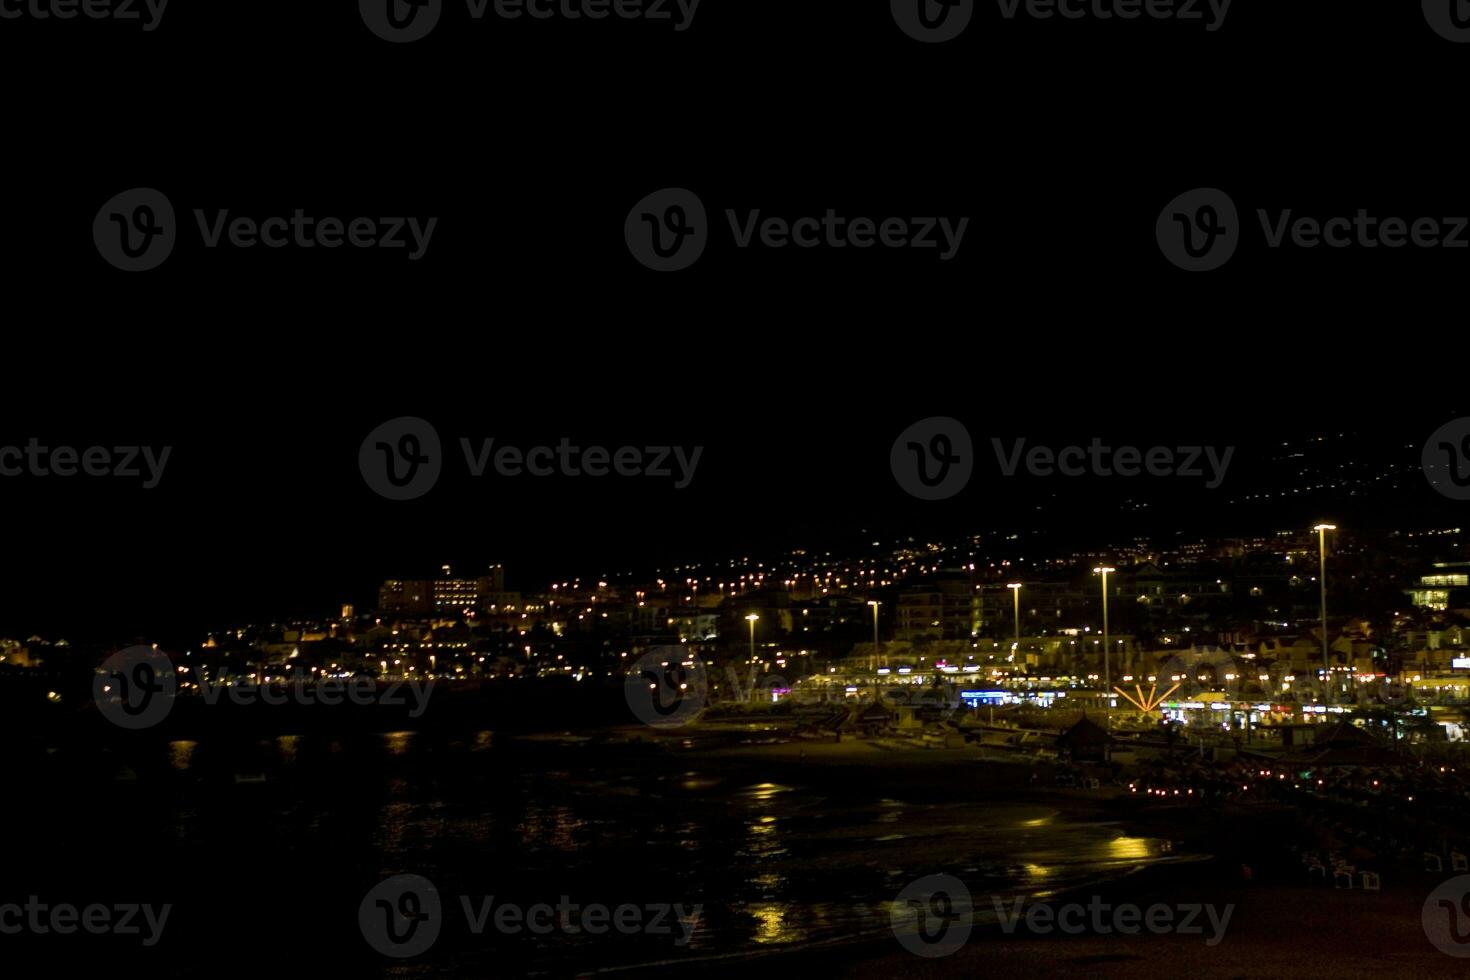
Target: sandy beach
[(1279, 925)]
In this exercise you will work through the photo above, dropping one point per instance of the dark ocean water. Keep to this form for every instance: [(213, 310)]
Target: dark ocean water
[(266, 847)]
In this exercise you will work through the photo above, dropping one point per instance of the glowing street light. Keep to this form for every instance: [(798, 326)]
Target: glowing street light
[(1107, 654), (1322, 530), (877, 650), (751, 619), (1015, 588)]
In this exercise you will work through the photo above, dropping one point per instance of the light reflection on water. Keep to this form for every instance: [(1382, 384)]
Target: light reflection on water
[(763, 839), (763, 792), (181, 754), (398, 743), (398, 832), (693, 781), (772, 925), (773, 863), (1127, 848), (555, 827)]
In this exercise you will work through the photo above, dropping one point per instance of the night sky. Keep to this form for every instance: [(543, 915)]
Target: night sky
[(263, 513), (529, 321)]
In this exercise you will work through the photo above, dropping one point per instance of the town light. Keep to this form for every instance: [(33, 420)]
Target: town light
[(1015, 588), (877, 649), (751, 619), (1107, 659), (1322, 530)]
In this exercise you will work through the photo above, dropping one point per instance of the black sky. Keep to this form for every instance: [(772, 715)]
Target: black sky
[(1058, 321)]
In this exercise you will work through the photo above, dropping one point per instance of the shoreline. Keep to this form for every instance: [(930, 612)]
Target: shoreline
[(1279, 924), (1270, 931)]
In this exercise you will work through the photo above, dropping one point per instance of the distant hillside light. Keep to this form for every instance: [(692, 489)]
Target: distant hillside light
[(1322, 530), (751, 619), (1107, 653)]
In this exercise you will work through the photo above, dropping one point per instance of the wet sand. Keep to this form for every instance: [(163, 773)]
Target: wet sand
[(1280, 926), (1273, 931)]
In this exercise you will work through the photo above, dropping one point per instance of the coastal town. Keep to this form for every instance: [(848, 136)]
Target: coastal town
[(1224, 637), (1183, 687)]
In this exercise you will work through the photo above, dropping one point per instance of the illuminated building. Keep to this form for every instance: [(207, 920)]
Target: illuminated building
[(406, 597), (447, 595), (947, 609), (1447, 587), (452, 594)]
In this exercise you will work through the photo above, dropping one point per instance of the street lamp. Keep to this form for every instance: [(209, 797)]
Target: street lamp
[(876, 649), (751, 620), (1322, 530), (1015, 588), (1107, 654)]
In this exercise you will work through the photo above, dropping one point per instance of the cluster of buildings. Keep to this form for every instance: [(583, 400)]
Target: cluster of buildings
[(1008, 609)]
